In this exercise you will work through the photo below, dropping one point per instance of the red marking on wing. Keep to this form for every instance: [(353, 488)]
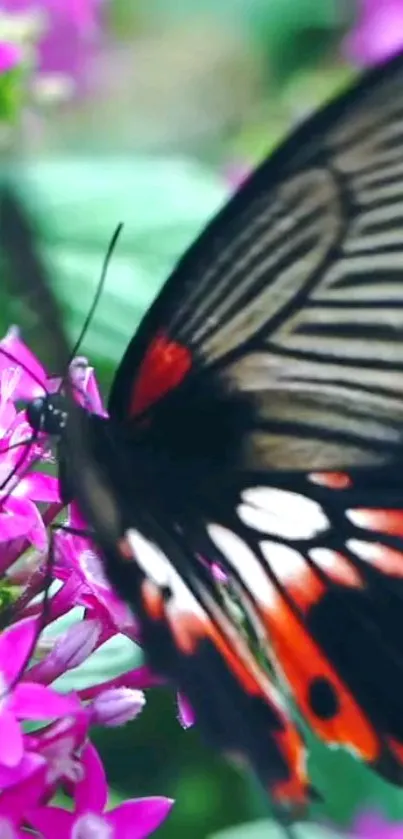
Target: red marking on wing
[(164, 366), (308, 587), (396, 748), (386, 521), (333, 480), (187, 631), (302, 661), (388, 560)]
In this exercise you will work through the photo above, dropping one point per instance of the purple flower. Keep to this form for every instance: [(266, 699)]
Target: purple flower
[(134, 819), (116, 706), (377, 34), (69, 650), (23, 701), (374, 826)]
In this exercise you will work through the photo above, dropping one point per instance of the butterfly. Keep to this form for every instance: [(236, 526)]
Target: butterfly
[(256, 425)]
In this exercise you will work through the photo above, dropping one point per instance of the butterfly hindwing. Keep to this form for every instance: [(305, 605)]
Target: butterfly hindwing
[(191, 637), (322, 567)]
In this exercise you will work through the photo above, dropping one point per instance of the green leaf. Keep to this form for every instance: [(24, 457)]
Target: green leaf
[(163, 203), (265, 829)]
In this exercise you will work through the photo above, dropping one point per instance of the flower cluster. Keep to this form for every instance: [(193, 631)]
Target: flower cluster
[(44, 734), (57, 37)]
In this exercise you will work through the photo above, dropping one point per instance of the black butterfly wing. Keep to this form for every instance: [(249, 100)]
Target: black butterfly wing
[(192, 638), (273, 355), (188, 629), (317, 559), (290, 303)]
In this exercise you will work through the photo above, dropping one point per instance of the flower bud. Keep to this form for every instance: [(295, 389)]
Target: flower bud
[(117, 706), (69, 651)]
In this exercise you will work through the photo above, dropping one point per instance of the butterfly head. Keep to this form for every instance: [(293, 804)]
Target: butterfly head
[(48, 414)]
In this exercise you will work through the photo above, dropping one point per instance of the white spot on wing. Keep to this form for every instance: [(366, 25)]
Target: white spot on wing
[(287, 564), (157, 567), (287, 515), (151, 560), (324, 558), (243, 561)]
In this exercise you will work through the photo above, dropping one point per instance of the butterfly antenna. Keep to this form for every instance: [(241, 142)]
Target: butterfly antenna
[(104, 271)]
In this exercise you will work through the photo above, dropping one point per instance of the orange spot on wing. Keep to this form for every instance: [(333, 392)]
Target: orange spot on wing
[(333, 480), (164, 366), (302, 661), (188, 630), (386, 521), (153, 601), (310, 585)]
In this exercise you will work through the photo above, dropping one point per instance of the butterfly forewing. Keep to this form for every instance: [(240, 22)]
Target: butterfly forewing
[(293, 296)]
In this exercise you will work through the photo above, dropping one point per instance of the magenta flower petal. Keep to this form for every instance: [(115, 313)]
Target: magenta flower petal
[(32, 382), (18, 511), (16, 800), (10, 56), (186, 713), (87, 393), (11, 742), (38, 702), (137, 819), (12, 525), (16, 644), (378, 33), (60, 744), (11, 776), (52, 822), (39, 487), (92, 792)]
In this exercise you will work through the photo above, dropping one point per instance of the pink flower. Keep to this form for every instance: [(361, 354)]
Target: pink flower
[(19, 494), (134, 819), (76, 554), (10, 56), (58, 751), (23, 701), (70, 33), (377, 34), (186, 714), (17, 800), (60, 746)]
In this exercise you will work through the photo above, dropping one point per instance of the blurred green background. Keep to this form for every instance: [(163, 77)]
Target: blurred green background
[(161, 116)]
